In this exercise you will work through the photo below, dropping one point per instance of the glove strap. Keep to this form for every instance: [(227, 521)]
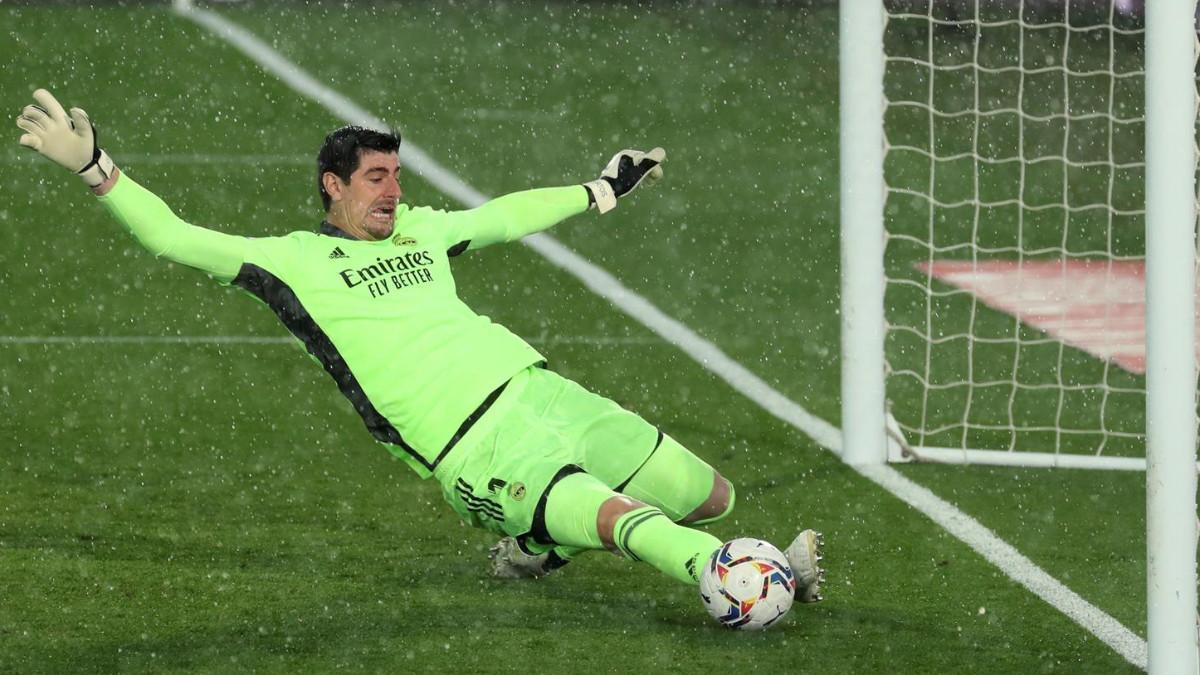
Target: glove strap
[(602, 192), (98, 170)]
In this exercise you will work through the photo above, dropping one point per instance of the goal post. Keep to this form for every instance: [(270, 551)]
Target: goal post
[(994, 213), (1014, 165), (1018, 214), (1171, 336), (862, 198)]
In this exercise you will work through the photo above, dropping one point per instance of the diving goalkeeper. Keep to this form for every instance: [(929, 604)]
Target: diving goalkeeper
[(518, 450)]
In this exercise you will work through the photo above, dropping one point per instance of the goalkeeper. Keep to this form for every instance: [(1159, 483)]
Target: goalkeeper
[(517, 449)]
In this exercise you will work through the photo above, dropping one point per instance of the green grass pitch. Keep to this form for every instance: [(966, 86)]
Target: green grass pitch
[(171, 507)]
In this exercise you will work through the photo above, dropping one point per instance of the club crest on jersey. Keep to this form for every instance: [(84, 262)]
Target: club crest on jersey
[(401, 240), (517, 491)]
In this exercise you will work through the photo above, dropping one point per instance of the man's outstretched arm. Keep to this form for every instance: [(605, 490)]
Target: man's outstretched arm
[(518, 214), (70, 141)]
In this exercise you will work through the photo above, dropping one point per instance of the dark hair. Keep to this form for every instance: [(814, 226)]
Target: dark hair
[(343, 150)]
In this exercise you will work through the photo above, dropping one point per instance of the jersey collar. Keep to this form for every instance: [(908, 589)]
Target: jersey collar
[(330, 230)]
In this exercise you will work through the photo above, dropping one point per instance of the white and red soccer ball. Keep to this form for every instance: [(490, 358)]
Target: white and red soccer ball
[(747, 584)]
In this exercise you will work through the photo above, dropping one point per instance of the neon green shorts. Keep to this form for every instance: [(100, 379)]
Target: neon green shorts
[(541, 424)]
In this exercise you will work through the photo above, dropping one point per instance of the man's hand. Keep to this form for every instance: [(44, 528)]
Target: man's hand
[(68, 141), (624, 172)]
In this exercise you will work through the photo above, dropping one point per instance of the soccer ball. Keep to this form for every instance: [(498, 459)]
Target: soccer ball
[(747, 584)]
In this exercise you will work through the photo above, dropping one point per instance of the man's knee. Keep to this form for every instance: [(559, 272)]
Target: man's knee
[(610, 512), (718, 504)]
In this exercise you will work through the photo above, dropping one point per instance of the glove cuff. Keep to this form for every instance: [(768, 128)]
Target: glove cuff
[(602, 192), (98, 170)]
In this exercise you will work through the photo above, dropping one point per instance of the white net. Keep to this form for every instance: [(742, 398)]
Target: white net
[(1015, 217)]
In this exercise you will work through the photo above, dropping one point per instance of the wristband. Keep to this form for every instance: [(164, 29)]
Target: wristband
[(98, 170), (603, 195)]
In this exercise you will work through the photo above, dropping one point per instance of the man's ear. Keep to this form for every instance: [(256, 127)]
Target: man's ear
[(334, 187)]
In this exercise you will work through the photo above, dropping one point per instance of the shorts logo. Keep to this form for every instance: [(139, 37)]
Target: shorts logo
[(401, 240), (517, 491), (479, 506)]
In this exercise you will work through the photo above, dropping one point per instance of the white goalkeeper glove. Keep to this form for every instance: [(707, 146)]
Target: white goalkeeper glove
[(68, 141), (624, 172)]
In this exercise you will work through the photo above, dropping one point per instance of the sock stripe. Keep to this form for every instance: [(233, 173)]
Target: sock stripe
[(629, 523), (619, 530)]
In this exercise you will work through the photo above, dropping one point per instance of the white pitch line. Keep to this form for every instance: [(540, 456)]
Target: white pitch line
[(349, 111), (975, 535), (1021, 569)]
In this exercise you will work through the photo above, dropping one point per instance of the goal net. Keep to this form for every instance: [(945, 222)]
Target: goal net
[(1015, 214)]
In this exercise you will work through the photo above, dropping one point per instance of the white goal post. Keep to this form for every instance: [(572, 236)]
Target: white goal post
[(1018, 214), (1001, 177)]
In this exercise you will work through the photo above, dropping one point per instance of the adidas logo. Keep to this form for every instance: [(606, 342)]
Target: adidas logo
[(338, 253)]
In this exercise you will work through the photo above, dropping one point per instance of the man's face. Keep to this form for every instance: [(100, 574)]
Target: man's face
[(366, 206)]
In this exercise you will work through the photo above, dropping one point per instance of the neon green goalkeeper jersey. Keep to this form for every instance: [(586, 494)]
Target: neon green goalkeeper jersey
[(382, 317)]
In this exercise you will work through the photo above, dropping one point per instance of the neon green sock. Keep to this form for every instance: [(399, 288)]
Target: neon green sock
[(648, 534)]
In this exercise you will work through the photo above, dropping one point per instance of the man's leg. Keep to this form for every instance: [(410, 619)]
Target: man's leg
[(677, 482), (689, 491), (684, 486), (624, 452), (582, 512)]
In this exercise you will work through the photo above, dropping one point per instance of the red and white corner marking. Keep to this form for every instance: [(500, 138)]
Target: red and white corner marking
[(1098, 306)]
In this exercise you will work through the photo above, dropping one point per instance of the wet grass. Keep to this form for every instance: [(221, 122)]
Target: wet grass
[(217, 508)]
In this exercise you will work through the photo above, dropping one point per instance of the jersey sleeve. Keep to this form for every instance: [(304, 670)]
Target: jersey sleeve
[(164, 234), (511, 217)]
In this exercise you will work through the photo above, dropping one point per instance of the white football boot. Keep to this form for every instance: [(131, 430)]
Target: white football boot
[(804, 556), (510, 561)]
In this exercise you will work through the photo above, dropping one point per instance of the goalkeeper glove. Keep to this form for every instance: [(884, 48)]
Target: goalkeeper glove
[(624, 172), (68, 141)]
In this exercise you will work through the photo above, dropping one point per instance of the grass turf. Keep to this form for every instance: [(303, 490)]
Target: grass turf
[(218, 507)]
